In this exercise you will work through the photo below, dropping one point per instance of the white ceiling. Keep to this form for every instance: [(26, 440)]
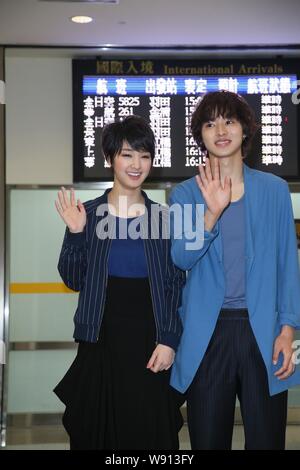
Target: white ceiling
[(151, 23)]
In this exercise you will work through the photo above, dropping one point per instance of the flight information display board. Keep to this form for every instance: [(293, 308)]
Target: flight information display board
[(165, 94)]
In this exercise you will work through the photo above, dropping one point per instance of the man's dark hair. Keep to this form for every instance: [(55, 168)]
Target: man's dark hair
[(134, 130), (228, 105)]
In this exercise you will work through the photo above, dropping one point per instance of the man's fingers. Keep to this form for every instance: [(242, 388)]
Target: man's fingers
[(289, 371), (227, 182), (286, 364), (208, 170), (202, 176), (276, 352), (216, 170), (199, 182)]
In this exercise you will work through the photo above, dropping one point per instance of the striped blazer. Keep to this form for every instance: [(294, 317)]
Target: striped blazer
[(83, 266)]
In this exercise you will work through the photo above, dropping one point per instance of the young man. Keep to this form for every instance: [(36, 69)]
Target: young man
[(241, 302)]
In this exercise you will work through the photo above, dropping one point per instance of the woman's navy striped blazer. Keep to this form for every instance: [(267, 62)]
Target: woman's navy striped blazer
[(83, 266)]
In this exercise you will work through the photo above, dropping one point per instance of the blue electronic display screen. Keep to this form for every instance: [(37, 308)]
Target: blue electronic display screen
[(167, 102)]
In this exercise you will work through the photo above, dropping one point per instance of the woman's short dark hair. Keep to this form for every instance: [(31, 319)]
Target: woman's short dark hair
[(228, 105), (134, 130)]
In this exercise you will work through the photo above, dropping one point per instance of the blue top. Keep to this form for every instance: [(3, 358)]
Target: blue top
[(272, 275), (232, 224), (127, 256)]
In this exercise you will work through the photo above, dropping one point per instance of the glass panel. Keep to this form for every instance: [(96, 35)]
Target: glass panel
[(32, 377), (296, 204), (42, 317)]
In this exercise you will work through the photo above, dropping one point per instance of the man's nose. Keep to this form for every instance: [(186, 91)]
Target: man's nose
[(221, 128)]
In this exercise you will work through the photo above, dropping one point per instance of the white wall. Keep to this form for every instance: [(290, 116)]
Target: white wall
[(38, 119)]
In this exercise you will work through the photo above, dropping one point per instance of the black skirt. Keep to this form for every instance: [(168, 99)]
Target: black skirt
[(112, 400)]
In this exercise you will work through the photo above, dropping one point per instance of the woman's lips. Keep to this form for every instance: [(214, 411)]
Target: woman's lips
[(134, 176)]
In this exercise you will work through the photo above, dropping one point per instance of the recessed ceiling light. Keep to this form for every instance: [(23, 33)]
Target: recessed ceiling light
[(81, 19)]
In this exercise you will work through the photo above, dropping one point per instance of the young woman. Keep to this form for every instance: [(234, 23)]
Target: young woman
[(117, 392)]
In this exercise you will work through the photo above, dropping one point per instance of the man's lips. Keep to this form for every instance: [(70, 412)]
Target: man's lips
[(223, 142)]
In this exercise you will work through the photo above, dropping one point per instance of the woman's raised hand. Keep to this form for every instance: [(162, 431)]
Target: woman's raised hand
[(73, 214)]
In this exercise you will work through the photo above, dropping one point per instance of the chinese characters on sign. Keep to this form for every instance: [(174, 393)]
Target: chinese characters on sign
[(167, 103)]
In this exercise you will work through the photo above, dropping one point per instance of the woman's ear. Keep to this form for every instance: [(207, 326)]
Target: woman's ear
[(108, 161)]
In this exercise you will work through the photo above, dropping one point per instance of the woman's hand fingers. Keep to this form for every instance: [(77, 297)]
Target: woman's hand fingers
[(65, 197), (72, 197), (61, 200), (66, 200), (58, 207)]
